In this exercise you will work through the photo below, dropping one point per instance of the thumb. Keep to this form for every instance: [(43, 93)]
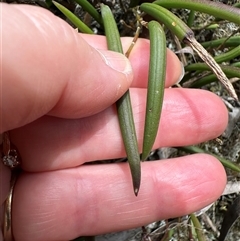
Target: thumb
[(47, 68)]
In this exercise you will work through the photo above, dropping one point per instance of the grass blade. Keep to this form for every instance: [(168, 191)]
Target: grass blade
[(74, 19)]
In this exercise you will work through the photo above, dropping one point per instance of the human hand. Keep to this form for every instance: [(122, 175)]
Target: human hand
[(57, 96)]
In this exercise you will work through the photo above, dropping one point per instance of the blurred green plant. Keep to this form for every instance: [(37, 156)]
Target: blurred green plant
[(197, 227)]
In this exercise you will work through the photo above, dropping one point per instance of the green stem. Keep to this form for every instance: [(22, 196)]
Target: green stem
[(204, 81), (231, 71), (226, 42), (191, 18), (198, 228), (216, 9), (225, 162), (231, 54), (88, 7), (74, 19)]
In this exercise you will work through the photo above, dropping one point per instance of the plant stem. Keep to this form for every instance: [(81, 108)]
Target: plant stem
[(74, 19), (198, 228), (225, 162), (88, 7), (216, 9), (231, 71), (226, 42), (191, 18)]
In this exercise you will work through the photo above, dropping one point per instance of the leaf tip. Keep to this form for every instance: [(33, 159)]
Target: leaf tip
[(136, 190)]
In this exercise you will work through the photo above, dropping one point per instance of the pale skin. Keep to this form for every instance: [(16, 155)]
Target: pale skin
[(57, 102)]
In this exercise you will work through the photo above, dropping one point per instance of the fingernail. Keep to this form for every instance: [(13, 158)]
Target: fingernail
[(116, 61), (182, 74)]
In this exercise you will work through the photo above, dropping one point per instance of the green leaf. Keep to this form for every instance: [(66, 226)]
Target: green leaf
[(156, 84), (73, 18), (124, 106)]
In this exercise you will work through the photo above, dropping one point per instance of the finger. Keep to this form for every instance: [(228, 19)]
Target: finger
[(53, 143), (64, 78), (45, 75), (5, 174), (99, 199)]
